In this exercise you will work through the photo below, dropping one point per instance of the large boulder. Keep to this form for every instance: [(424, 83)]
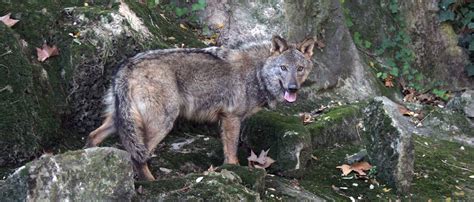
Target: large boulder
[(338, 66), (434, 44), (90, 174), (288, 141), (389, 142)]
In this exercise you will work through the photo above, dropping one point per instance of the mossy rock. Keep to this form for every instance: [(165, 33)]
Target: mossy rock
[(91, 174), (213, 186), (28, 122), (387, 135), (287, 140), (337, 126), (252, 178), (433, 179)]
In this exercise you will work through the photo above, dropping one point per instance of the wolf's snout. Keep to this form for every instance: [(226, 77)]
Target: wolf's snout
[(292, 88)]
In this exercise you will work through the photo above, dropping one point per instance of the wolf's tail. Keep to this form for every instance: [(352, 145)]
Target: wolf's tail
[(126, 128)]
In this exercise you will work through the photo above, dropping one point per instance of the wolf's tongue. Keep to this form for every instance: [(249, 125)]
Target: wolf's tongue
[(290, 97)]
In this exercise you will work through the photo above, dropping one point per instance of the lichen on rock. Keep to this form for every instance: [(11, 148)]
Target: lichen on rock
[(94, 174), (389, 142)]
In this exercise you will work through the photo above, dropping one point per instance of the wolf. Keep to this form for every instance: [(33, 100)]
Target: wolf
[(152, 89)]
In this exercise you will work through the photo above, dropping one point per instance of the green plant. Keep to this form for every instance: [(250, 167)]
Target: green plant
[(184, 10), (460, 13), (443, 94), (396, 46)]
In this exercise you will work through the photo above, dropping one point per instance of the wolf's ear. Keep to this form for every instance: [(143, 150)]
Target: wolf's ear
[(278, 44), (307, 46)]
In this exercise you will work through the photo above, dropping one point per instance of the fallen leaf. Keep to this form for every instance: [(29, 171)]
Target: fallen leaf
[(306, 118), (183, 26), (320, 44), (358, 167), (8, 21), (388, 82), (346, 169), (262, 161), (46, 51), (140, 189), (386, 189), (211, 169), (410, 95)]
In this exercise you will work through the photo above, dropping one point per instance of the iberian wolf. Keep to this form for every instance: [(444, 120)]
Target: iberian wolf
[(151, 90)]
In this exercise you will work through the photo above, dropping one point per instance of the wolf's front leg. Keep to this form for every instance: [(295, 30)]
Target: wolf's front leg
[(230, 126)]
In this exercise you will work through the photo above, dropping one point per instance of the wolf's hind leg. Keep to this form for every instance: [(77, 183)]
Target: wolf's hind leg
[(230, 126), (158, 114), (99, 134)]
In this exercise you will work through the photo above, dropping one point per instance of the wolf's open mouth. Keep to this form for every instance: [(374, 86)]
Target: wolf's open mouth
[(288, 96)]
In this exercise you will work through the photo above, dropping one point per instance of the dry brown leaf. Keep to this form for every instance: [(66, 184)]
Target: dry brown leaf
[(262, 161), (410, 95), (46, 51), (320, 44), (8, 21), (388, 82), (358, 167), (406, 112), (211, 169), (306, 118), (361, 165), (346, 169)]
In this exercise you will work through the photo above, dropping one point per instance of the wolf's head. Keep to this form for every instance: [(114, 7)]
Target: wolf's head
[(287, 67)]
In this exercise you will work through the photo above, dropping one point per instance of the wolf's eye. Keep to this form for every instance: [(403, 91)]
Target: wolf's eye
[(300, 68), (283, 67)]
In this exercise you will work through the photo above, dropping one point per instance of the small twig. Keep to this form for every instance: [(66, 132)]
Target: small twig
[(462, 168), (6, 53), (421, 121), (373, 56)]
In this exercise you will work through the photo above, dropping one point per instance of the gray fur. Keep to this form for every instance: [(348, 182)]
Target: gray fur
[(212, 84)]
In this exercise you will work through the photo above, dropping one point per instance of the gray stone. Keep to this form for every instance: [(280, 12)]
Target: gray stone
[(338, 66), (468, 98), (90, 174), (279, 189), (389, 143)]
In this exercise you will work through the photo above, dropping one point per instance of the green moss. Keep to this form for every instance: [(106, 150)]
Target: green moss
[(433, 180), (213, 186), (26, 116), (37, 113), (442, 170), (251, 178), (281, 135), (163, 28), (338, 125)]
